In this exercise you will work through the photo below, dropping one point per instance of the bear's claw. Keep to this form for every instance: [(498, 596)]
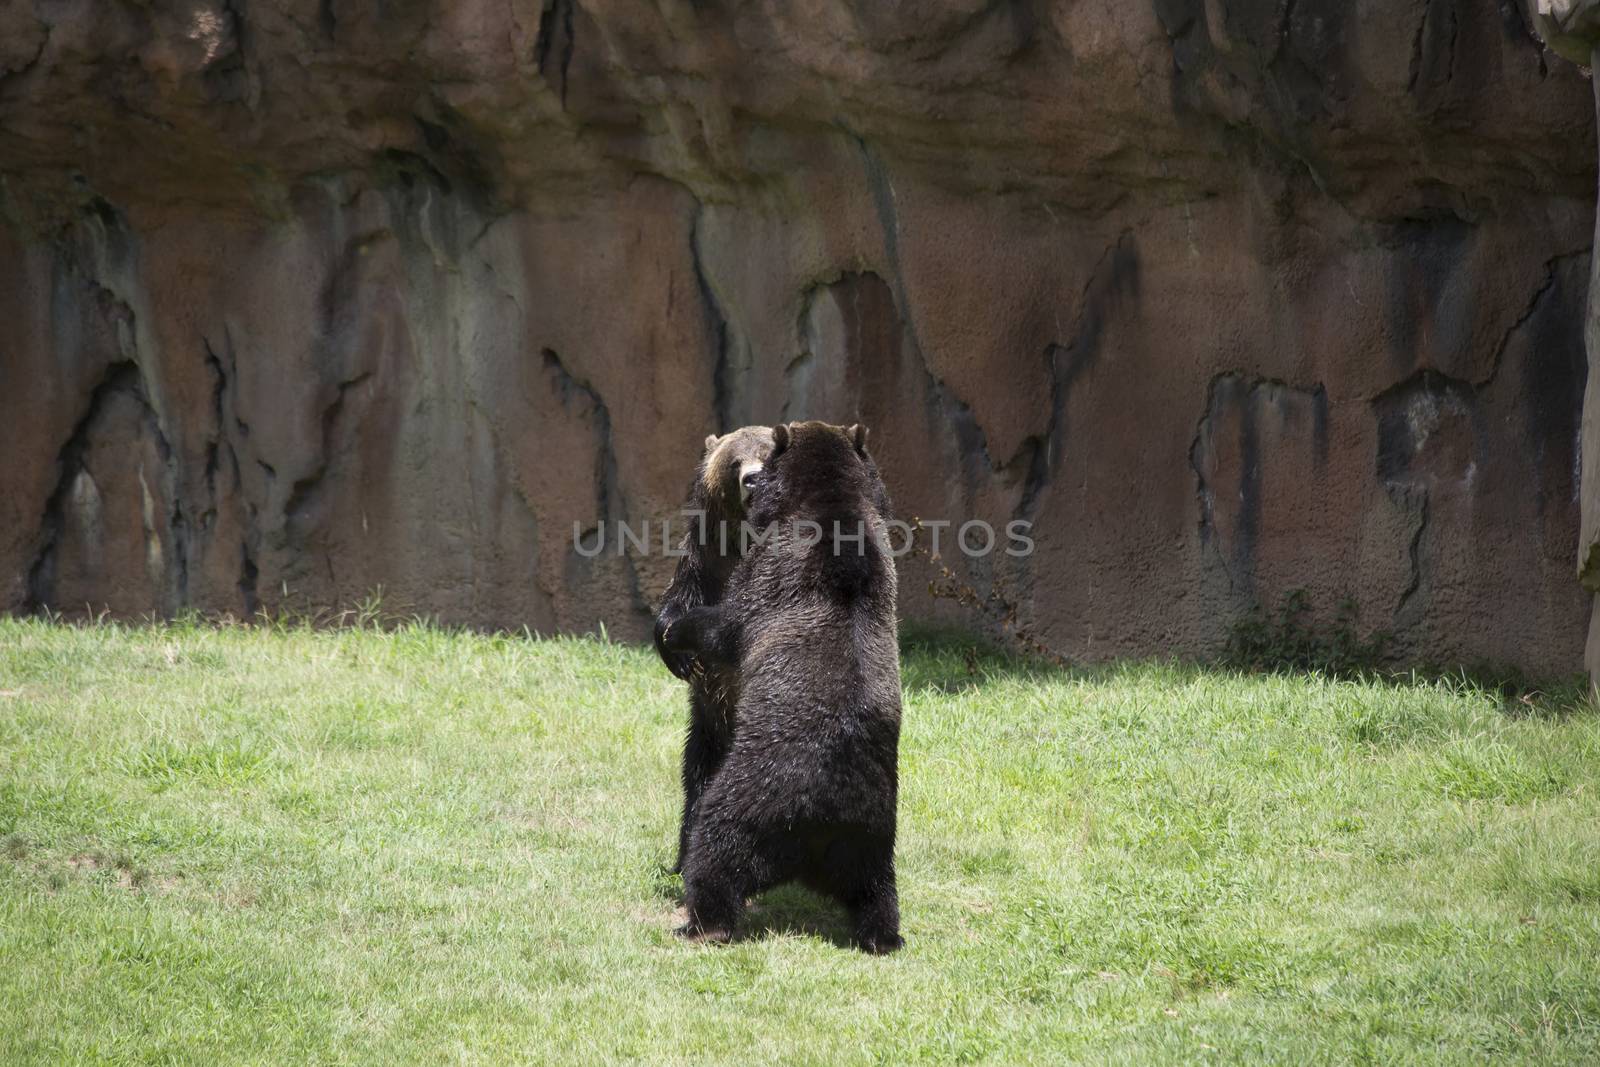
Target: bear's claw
[(695, 934), (882, 944)]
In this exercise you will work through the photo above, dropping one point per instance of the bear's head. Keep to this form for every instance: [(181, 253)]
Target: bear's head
[(817, 464), (731, 464)]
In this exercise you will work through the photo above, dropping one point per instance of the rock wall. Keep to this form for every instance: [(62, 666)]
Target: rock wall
[(1227, 297)]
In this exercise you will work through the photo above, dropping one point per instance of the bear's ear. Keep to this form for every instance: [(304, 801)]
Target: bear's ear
[(711, 441), (780, 439), (858, 433)]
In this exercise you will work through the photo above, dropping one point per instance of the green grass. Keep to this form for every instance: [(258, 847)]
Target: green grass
[(283, 845)]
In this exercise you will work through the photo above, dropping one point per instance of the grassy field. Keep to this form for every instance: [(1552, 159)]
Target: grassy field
[(297, 846)]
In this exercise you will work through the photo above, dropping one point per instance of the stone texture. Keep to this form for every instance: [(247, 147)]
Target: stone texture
[(1228, 297)]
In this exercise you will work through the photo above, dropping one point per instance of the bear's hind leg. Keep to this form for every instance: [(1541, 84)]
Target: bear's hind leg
[(703, 752), (863, 876), (727, 862), (877, 919), (714, 895)]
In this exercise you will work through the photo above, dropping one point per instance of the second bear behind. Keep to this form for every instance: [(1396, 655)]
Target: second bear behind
[(711, 550)]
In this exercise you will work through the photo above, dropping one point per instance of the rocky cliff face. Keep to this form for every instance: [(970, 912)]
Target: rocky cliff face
[(1227, 297)]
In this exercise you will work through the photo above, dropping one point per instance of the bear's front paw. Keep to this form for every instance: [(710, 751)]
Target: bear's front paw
[(694, 933), (680, 638), (684, 667), (679, 659)]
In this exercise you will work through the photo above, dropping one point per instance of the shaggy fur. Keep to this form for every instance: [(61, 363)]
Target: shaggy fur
[(808, 790), (720, 489)]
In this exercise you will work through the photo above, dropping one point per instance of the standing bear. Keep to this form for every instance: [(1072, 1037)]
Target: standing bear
[(711, 550), (807, 624)]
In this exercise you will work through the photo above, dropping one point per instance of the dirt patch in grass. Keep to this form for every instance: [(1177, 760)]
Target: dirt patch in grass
[(125, 873)]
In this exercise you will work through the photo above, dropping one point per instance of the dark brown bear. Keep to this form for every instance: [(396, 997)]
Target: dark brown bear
[(712, 547), (808, 790)]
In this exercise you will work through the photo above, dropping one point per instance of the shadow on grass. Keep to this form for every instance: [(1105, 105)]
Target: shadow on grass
[(793, 910), (951, 660), (937, 658), (784, 911)]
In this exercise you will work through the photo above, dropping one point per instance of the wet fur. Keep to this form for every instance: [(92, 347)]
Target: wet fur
[(807, 792)]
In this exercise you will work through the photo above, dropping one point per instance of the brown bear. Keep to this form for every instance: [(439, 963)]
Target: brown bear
[(807, 624), (712, 549)]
